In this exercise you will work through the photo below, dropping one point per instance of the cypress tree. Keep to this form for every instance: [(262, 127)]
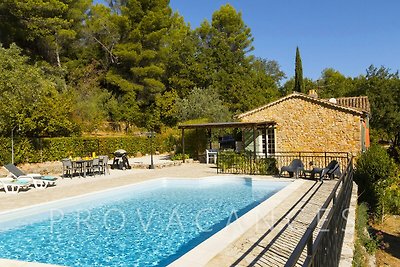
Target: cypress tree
[(298, 75)]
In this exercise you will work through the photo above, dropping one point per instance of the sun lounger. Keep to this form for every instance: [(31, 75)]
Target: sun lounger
[(14, 186), (295, 168), (38, 180), (330, 171)]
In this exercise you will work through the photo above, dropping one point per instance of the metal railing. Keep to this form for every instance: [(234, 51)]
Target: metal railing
[(326, 248), (247, 163)]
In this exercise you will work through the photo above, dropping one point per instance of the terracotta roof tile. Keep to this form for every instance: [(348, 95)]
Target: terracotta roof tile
[(358, 102)]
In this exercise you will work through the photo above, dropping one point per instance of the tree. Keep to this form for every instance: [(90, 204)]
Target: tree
[(224, 63), (202, 103), (102, 32), (265, 77), (383, 90), (42, 28), (334, 84), (29, 100), (298, 75), (180, 64), (287, 88), (137, 78)]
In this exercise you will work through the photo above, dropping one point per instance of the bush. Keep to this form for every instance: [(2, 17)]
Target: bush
[(179, 156), (363, 230), (230, 161), (364, 243), (375, 174), (53, 149)]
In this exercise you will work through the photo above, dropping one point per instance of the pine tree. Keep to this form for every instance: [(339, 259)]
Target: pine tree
[(298, 76)]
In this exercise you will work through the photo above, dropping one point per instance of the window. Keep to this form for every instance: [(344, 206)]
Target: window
[(268, 141)]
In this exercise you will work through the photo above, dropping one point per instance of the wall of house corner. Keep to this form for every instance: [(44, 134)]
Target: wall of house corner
[(304, 125)]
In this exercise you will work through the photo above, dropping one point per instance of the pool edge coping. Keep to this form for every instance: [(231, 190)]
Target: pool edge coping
[(211, 247), (18, 263)]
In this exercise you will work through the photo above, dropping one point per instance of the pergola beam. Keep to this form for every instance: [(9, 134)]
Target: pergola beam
[(222, 125)]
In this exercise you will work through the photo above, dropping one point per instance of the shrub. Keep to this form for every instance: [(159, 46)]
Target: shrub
[(245, 163), (364, 243), (53, 149), (375, 173), (179, 156)]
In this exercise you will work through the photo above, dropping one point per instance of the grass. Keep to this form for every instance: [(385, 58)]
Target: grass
[(365, 245)]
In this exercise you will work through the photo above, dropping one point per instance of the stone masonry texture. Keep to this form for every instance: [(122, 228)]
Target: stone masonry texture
[(303, 125)]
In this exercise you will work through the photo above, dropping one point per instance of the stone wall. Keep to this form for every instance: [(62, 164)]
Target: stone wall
[(304, 125)]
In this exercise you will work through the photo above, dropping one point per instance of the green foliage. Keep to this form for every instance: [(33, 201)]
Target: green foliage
[(43, 28), (30, 102), (232, 162), (179, 156), (223, 63), (334, 84), (129, 63), (202, 103), (375, 173), (287, 88), (54, 149), (383, 90), (298, 76), (364, 242)]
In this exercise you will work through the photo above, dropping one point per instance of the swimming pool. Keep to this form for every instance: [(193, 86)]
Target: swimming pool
[(148, 224)]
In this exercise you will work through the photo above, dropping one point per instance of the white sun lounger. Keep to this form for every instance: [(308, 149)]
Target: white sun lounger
[(38, 180), (14, 186)]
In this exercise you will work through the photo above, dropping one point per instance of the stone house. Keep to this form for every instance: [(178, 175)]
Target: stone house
[(308, 123)]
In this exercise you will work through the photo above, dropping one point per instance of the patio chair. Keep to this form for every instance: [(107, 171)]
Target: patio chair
[(14, 186), (68, 169), (331, 170), (97, 166), (296, 167), (38, 180), (211, 154), (104, 161)]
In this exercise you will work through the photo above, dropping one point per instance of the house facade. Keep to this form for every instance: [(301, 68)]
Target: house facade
[(307, 123)]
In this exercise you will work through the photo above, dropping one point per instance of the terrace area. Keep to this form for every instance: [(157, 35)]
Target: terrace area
[(270, 241)]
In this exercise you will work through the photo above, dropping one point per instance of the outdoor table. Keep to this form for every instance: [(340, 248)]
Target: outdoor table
[(82, 166)]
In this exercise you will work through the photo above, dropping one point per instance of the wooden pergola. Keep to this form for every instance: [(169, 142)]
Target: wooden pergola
[(223, 125)]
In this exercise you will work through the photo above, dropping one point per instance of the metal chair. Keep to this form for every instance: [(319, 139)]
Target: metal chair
[(105, 166), (68, 168), (97, 166)]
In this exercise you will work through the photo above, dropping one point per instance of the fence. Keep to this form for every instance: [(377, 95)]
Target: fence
[(312, 159), (247, 163), (326, 248)]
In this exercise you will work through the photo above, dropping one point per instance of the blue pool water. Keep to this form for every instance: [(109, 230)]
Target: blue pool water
[(150, 224)]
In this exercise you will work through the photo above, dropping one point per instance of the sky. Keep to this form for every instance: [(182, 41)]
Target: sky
[(346, 35)]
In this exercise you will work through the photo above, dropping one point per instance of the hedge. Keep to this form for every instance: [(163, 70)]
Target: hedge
[(52, 149)]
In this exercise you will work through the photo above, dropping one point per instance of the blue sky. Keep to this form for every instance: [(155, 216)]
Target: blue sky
[(345, 35)]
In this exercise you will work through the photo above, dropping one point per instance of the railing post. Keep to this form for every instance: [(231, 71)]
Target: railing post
[(310, 248)]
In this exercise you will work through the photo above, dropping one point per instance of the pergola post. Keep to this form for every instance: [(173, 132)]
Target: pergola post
[(266, 141), (183, 144), (254, 142), (209, 137)]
